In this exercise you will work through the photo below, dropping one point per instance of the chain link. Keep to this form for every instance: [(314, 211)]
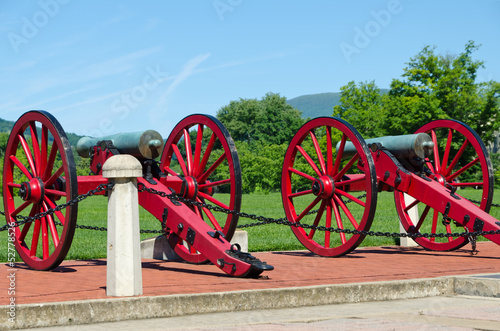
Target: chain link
[(50, 211), (261, 220), (283, 221)]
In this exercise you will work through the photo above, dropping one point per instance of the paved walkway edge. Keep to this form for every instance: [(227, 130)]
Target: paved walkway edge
[(119, 309)]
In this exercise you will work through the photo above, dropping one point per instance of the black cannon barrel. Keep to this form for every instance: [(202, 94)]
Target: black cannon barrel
[(143, 144), (402, 147)]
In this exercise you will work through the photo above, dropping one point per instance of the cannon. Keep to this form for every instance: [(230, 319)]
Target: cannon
[(197, 161), (331, 177)]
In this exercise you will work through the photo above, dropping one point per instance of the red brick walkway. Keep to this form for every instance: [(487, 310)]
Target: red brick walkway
[(81, 280)]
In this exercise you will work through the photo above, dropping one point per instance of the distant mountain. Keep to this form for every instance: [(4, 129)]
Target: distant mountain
[(315, 105), (6, 126), (320, 104)]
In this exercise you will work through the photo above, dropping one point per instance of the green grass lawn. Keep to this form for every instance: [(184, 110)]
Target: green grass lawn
[(90, 244)]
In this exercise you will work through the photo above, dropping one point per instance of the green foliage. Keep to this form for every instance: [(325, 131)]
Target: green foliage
[(261, 130), (495, 160), (442, 86), (361, 106), (261, 166), (270, 120), (432, 86)]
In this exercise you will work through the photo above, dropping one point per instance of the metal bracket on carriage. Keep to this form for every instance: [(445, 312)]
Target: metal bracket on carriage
[(257, 265), (389, 169), (217, 235)]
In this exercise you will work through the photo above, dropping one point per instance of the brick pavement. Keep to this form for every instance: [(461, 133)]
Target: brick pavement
[(81, 280)]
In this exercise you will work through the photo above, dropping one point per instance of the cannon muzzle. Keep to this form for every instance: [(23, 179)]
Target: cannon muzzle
[(402, 147), (143, 145)]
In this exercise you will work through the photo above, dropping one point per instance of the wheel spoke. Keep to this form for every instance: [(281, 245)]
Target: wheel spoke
[(20, 208), (447, 151), (436, 151), (472, 184), (340, 154), (54, 177), (58, 213), (197, 150), (319, 154), (212, 168), (435, 216), (206, 155), (309, 160), (28, 154), (348, 166), (212, 219), (27, 226), (52, 227), (303, 174), (329, 150), (21, 167), (328, 224), (44, 149), (422, 218), (460, 171), (180, 159), (50, 162), (213, 200), (350, 197), (457, 157), (170, 171), (346, 211), (298, 194), (189, 154), (55, 192), (411, 205), (216, 183), (34, 238), (308, 209), (340, 225), (318, 217), (36, 147)]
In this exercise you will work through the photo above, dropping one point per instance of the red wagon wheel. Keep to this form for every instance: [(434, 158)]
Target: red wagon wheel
[(318, 173), (39, 171), (459, 161), (201, 151)]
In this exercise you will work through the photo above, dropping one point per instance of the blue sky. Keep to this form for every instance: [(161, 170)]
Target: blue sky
[(103, 67)]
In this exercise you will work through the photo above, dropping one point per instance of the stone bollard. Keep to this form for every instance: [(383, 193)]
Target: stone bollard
[(413, 213), (123, 270)]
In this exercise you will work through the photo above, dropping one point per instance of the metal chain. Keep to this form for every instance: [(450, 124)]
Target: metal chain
[(50, 211), (283, 221), (262, 220)]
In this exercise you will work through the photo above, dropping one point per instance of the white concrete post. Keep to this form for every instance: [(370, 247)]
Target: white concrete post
[(123, 270), (413, 213)]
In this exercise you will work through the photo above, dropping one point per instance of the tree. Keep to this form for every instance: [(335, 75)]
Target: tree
[(361, 106), (270, 120), (442, 86)]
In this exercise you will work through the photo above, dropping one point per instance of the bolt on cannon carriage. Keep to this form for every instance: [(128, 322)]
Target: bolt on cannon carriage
[(40, 174), (329, 166)]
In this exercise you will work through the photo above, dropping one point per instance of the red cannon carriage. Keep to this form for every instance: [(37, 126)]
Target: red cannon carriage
[(198, 160), (331, 177)]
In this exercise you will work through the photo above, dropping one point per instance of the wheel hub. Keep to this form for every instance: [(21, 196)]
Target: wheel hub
[(190, 189), (32, 191), (323, 187)]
